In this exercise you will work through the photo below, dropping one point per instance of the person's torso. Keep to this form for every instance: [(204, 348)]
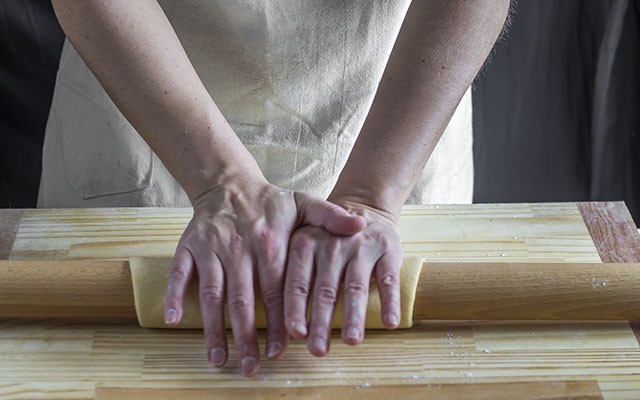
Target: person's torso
[(294, 79)]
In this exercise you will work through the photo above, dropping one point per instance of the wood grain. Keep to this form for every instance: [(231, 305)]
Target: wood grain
[(528, 291), (613, 231), (615, 235), (66, 359), (92, 289), (584, 390), (551, 232), (66, 289)]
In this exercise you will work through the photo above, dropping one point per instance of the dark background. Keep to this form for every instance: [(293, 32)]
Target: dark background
[(555, 111)]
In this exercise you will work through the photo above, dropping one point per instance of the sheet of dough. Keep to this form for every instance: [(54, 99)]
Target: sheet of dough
[(150, 277)]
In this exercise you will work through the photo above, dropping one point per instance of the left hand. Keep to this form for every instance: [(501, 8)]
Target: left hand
[(332, 262)]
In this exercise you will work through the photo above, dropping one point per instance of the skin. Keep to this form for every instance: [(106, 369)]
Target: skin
[(439, 50), (296, 246)]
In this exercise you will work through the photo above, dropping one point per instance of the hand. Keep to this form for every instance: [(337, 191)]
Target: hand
[(239, 233), (316, 255)]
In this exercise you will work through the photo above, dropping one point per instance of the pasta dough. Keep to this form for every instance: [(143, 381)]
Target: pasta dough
[(150, 277)]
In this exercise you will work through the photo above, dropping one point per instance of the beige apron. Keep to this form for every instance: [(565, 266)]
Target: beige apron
[(295, 79)]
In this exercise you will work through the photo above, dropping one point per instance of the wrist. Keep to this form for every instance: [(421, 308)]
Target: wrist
[(222, 175), (385, 191), (364, 206), (230, 186), (213, 156)]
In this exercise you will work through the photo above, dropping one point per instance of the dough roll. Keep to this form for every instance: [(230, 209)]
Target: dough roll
[(150, 277)]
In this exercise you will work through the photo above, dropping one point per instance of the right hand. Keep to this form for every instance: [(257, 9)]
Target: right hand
[(239, 233)]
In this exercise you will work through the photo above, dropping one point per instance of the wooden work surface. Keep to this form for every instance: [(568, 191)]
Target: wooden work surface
[(66, 359)]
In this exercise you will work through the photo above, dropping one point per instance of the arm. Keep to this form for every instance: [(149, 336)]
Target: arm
[(241, 224), (136, 55), (439, 50)]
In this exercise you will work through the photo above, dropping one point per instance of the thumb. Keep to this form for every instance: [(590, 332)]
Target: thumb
[(314, 210)]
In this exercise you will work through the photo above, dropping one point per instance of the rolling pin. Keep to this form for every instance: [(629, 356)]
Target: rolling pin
[(93, 290)]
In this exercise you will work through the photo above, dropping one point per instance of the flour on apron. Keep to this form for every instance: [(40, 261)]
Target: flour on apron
[(295, 79)]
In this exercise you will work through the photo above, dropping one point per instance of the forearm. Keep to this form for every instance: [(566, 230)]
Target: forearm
[(135, 54), (439, 50)]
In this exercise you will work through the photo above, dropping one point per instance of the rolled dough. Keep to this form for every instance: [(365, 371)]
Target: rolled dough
[(150, 277)]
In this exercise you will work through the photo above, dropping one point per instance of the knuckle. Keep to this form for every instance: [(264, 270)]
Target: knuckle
[(239, 303), (211, 293), (327, 294), (367, 236), (179, 273), (278, 331), (270, 244), (298, 288), (362, 239), (389, 280), (237, 245), (200, 231), (333, 246), (272, 296), (391, 242), (356, 288), (301, 243), (209, 230), (384, 243)]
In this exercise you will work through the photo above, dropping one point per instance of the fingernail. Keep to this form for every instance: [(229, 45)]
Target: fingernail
[(353, 333), (273, 350), (248, 365), (319, 345), (170, 317), (301, 329), (392, 319), (217, 357)]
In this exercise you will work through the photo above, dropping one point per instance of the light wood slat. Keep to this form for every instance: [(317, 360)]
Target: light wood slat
[(65, 359), (69, 390), (103, 233), (576, 336), (620, 387), (585, 390), (428, 354)]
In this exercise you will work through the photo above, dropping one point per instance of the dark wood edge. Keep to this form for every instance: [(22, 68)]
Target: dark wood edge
[(635, 327), (9, 223), (613, 231), (614, 234)]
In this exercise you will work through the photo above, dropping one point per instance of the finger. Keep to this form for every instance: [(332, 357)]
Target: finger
[(271, 278), (356, 296), (241, 304), (182, 268), (298, 283), (319, 212), (325, 296), (211, 289), (387, 272)]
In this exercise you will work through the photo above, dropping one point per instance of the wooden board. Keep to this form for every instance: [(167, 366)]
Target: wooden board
[(474, 360)]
